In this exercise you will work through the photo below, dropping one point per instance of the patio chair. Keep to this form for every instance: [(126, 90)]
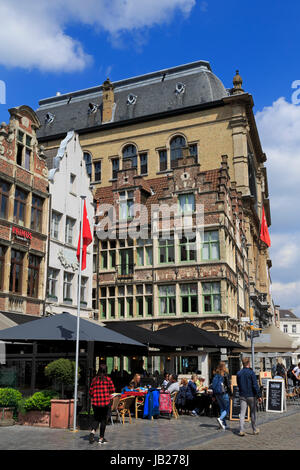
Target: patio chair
[(291, 394), (124, 407), (174, 409), (114, 408), (139, 405)]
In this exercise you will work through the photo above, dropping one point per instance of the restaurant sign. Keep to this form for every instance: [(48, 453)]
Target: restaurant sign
[(21, 234)]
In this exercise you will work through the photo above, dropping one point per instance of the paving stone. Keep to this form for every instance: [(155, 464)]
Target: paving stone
[(278, 431)]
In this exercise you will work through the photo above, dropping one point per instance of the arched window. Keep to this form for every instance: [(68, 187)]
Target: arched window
[(88, 163), (130, 152), (176, 145)]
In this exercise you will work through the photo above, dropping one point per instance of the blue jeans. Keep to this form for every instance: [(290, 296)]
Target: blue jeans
[(224, 404)]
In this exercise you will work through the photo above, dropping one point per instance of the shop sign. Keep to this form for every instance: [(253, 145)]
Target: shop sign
[(21, 234)]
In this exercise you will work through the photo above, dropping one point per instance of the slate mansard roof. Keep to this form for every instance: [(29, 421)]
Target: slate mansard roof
[(137, 98)]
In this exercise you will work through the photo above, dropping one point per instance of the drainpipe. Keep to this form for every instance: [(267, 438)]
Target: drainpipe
[(48, 254)]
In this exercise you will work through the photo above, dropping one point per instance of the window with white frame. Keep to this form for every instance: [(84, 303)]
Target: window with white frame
[(69, 233), (68, 279), (52, 282), (55, 225), (126, 205), (24, 150), (83, 290)]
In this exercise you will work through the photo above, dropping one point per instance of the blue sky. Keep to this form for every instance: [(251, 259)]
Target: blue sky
[(66, 45)]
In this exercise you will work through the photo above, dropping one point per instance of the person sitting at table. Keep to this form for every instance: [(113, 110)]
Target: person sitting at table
[(128, 388), (191, 393), (173, 385), (136, 381), (202, 401), (166, 380), (181, 397)]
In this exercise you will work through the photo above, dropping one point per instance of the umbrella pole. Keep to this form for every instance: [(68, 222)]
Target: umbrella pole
[(78, 315)]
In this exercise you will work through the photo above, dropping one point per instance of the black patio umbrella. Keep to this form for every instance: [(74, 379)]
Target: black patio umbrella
[(186, 334), (139, 334), (63, 327)]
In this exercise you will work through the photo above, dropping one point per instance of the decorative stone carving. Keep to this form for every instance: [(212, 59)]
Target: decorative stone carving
[(67, 263)]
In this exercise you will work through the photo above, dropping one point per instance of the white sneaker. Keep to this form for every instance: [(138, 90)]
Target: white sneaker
[(221, 424)]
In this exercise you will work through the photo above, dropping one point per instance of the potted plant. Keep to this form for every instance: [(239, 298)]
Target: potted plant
[(9, 399), (61, 372), (35, 410)]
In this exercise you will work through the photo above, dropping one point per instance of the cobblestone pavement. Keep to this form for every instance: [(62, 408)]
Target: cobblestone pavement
[(278, 431)]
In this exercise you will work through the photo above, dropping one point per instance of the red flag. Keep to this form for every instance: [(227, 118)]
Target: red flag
[(86, 238), (264, 232)]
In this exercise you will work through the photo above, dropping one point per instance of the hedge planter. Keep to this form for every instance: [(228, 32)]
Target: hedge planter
[(35, 418), (6, 416)]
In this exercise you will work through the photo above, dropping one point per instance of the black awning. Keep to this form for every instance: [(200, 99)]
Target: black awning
[(138, 333), (62, 327), (186, 334)]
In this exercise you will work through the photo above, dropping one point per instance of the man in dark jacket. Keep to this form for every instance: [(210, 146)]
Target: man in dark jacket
[(249, 391)]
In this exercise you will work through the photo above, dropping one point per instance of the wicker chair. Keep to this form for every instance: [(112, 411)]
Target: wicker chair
[(115, 408), (174, 409), (139, 404), (124, 408)]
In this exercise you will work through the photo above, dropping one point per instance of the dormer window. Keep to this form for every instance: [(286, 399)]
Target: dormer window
[(92, 108), (49, 118), (180, 88), (131, 99)]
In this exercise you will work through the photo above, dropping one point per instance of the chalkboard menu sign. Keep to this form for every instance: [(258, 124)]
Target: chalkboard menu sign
[(275, 396), (235, 405)]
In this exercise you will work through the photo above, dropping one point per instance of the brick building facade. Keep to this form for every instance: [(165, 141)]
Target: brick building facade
[(24, 215), (134, 134)]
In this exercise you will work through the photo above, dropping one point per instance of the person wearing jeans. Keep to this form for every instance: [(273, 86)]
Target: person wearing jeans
[(222, 388), (223, 402), (249, 393)]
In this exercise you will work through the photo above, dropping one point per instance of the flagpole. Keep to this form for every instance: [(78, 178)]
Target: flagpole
[(78, 311)]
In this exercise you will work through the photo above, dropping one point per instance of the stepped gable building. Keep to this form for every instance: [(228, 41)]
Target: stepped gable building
[(134, 134), (23, 216)]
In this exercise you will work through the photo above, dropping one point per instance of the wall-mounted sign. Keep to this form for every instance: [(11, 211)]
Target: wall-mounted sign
[(21, 233)]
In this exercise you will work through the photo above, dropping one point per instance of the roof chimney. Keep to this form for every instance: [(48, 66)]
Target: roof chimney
[(108, 101)]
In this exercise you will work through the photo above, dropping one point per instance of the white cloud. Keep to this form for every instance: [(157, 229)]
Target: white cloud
[(278, 126), (35, 37), (287, 295)]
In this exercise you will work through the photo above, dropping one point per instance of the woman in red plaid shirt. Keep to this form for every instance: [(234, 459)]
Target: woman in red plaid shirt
[(100, 391)]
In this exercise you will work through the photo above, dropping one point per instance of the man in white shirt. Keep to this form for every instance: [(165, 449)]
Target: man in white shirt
[(296, 371), (173, 385)]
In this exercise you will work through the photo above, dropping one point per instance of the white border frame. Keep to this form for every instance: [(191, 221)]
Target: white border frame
[(283, 400)]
